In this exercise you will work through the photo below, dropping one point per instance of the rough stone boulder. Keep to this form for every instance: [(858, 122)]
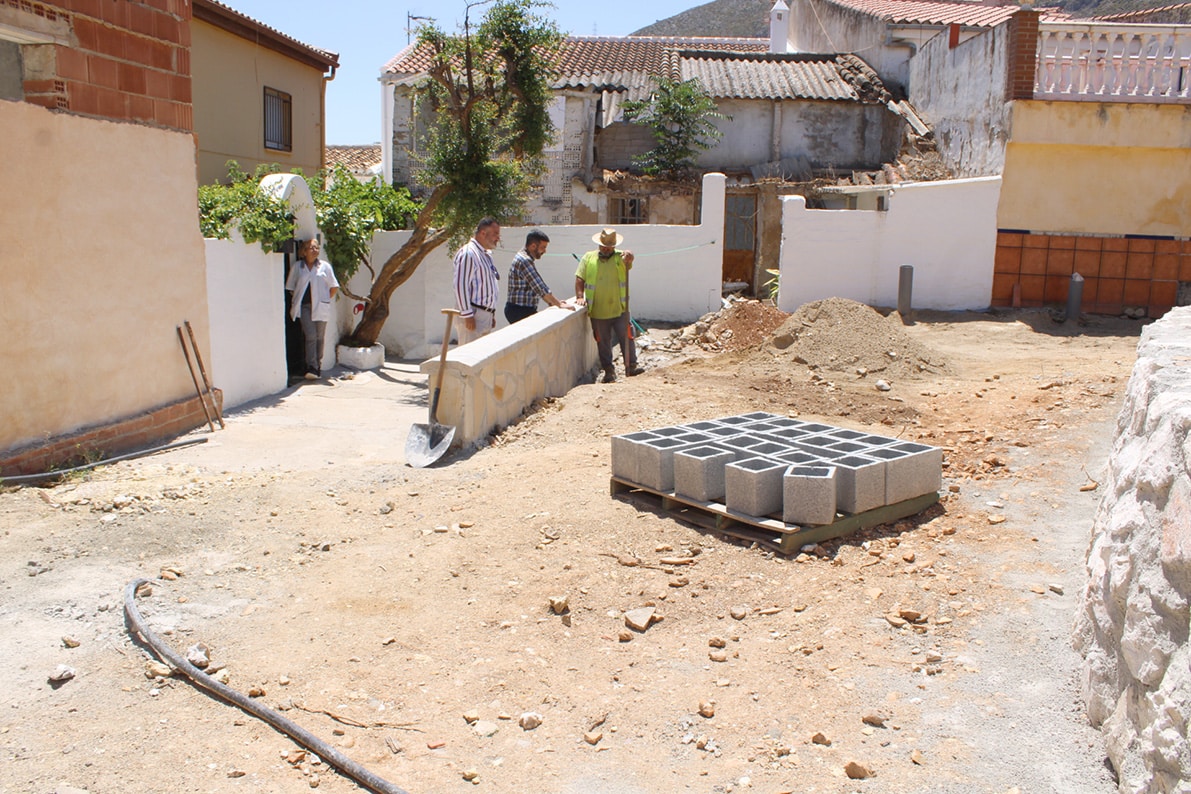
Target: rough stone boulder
[(1132, 629)]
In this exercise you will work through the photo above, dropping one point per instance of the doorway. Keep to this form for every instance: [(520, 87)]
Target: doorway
[(740, 242)]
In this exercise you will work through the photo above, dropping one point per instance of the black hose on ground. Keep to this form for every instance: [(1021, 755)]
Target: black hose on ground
[(30, 479), (296, 732)]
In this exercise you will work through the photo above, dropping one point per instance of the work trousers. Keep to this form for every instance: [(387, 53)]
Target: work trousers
[(608, 333), (513, 312), (314, 334), (485, 320)]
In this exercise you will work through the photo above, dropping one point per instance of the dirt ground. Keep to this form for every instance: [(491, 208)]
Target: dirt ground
[(405, 615)]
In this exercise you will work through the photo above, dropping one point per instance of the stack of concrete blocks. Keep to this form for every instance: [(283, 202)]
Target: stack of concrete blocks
[(762, 464)]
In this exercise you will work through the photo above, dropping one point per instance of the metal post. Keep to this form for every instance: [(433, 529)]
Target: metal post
[(905, 286), (1074, 297)]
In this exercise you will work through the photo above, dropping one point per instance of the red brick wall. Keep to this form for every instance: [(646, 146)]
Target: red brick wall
[(131, 62), (1118, 272), (1023, 49), (142, 431)]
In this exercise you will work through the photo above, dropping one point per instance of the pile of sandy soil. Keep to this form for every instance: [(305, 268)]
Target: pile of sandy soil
[(841, 335), (742, 324)]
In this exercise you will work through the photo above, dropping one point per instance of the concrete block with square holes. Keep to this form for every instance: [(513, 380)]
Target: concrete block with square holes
[(624, 456), (754, 486), (655, 458), (703, 460), (919, 472), (699, 471), (808, 495), (859, 483)]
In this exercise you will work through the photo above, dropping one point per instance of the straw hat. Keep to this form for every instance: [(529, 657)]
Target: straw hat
[(608, 238)]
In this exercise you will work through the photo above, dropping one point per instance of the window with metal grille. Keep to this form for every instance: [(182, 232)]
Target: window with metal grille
[(278, 120), (625, 210)]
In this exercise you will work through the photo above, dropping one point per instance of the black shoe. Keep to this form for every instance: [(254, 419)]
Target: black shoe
[(610, 375), (634, 371)]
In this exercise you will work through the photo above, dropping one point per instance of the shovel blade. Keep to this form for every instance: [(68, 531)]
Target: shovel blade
[(427, 443)]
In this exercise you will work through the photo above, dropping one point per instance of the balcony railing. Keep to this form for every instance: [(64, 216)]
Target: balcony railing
[(1113, 63)]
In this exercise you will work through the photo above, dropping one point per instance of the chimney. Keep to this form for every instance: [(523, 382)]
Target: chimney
[(779, 27)]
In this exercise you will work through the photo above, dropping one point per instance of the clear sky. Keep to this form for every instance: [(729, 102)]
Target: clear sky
[(368, 33)]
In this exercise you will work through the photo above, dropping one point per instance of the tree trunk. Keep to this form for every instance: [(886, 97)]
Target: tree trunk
[(396, 271)]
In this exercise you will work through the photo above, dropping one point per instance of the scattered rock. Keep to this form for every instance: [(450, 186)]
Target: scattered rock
[(157, 670), (707, 708), (593, 737), (857, 771), (61, 675), (530, 720), (639, 619), (485, 728), (917, 757), (821, 738), (625, 636), (895, 621), (559, 604), (739, 613), (199, 655), (996, 519), (471, 717), (717, 642), (70, 642), (875, 720), (1057, 589), (718, 656), (470, 775), (882, 386)]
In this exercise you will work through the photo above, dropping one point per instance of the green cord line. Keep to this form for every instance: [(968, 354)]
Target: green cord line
[(653, 253)]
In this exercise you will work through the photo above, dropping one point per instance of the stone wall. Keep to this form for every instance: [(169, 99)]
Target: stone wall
[(1133, 627), (490, 382)]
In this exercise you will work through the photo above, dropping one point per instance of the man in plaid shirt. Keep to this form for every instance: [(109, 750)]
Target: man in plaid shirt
[(525, 283)]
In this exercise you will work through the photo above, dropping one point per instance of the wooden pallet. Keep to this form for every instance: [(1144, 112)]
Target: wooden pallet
[(767, 530)]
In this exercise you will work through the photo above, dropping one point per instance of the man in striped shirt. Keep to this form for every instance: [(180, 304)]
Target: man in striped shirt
[(477, 282)]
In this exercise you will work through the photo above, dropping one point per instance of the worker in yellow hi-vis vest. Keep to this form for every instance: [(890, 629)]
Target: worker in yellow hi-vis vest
[(602, 284)]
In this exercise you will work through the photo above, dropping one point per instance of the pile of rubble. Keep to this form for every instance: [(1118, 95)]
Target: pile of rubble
[(740, 324)]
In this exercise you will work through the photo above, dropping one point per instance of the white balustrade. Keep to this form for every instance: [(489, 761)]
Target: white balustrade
[(1113, 63)]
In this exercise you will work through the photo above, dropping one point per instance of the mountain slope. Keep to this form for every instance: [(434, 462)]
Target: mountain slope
[(720, 18)]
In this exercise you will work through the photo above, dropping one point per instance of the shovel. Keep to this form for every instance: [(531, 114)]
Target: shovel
[(429, 442)]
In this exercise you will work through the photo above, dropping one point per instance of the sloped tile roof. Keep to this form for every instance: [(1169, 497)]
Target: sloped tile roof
[(357, 159), (594, 61), (770, 76), (728, 68), (1177, 14), (940, 12), (233, 21)]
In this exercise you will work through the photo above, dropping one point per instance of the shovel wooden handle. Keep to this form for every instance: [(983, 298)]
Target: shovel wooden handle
[(442, 365)]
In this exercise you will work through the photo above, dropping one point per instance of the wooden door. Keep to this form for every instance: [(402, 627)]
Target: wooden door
[(740, 240)]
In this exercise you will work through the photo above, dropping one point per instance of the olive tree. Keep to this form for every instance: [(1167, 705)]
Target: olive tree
[(489, 90), (682, 116)]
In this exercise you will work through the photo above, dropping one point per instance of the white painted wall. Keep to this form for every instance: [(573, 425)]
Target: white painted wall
[(961, 90), (246, 313), (946, 230), (677, 275)]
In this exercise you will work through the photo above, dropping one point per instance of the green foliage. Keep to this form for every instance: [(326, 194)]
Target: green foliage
[(489, 92), (349, 212), (261, 218), (774, 283), (682, 117)]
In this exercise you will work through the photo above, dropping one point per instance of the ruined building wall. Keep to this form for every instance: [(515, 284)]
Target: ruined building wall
[(1133, 627)]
